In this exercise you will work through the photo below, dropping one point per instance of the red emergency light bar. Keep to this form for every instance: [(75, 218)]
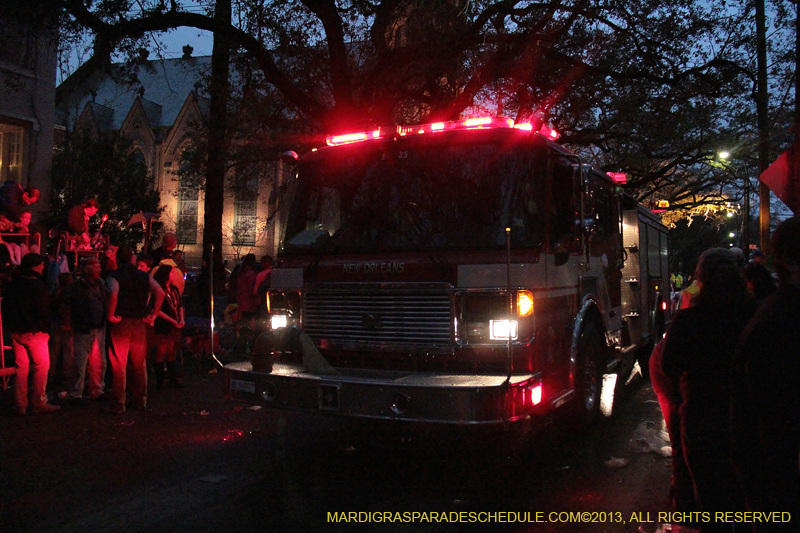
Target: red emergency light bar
[(336, 140), (434, 127), (545, 130), (468, 124), (618, 177)]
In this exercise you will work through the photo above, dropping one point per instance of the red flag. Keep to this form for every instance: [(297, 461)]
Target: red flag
[(780, 179)]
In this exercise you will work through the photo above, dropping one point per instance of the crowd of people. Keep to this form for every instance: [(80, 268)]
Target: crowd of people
[(727, 377), (108, 312), (118, 310), (94, 318), (15, 221)]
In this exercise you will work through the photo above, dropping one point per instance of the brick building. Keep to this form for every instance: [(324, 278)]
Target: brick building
[(27, 98)]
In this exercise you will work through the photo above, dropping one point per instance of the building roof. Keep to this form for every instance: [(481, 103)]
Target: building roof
[(162, 84), (104, 116)]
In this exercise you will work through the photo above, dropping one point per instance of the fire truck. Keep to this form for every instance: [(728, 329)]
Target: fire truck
[(471, 272)]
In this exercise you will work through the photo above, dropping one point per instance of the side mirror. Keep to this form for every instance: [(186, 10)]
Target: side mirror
[(289, 157)]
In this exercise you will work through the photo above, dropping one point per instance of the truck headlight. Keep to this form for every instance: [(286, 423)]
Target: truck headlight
[(499, 330), (284, 308), (483, 316), (278, 321)]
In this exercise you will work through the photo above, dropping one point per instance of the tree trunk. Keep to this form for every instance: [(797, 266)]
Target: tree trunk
[(217, 145)]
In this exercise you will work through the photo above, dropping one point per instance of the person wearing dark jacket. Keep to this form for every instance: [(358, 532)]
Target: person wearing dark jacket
[(766, 391), (13, 199), (759, 281), (78, 219), (698, 358), (168, 245), (85, 317), (26, 307), (128, 314)]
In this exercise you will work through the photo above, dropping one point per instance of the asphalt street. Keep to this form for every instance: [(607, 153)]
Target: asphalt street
[(195, 461)]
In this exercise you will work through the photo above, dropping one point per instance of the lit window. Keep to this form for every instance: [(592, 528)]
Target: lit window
[(188, 195), (245, 208)]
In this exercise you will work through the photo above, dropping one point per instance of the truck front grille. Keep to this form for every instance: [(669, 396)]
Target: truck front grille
[(379, 319)]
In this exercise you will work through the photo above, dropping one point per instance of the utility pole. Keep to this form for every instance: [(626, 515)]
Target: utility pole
[(762, 102), (745, 231)]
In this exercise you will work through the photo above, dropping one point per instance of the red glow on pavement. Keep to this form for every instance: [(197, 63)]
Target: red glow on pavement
[(232, 434)]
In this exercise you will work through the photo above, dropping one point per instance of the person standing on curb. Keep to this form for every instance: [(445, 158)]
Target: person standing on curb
[(766, 391), (85, 316), (128, 315), (697, 358), (26, 307), (60, 342)]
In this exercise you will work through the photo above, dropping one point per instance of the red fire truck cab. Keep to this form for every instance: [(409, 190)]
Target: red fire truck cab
[(468, 272)]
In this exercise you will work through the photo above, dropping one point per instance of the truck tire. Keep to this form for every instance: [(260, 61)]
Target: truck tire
[(659, 328), (589, 374)]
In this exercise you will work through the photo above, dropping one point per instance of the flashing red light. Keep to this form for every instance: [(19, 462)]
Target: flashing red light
[(482, 121), (348, 138), (453, 125), (530, 394), (536, 394), (663, 306), (468, 124), (548, 132), (618, 177)]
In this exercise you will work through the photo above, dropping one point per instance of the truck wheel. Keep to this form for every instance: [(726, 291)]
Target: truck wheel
[(659, 327), (589, 374)]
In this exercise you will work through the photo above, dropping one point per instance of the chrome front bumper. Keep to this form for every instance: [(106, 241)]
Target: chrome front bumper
[(387, 395)]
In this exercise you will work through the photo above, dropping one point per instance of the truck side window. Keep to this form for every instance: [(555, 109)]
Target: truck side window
[(322, 218), (605, 241), (561, 213), (527, 221), (602, 239)]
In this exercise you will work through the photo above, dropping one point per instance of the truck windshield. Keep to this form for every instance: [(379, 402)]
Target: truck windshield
[(370, 199)]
